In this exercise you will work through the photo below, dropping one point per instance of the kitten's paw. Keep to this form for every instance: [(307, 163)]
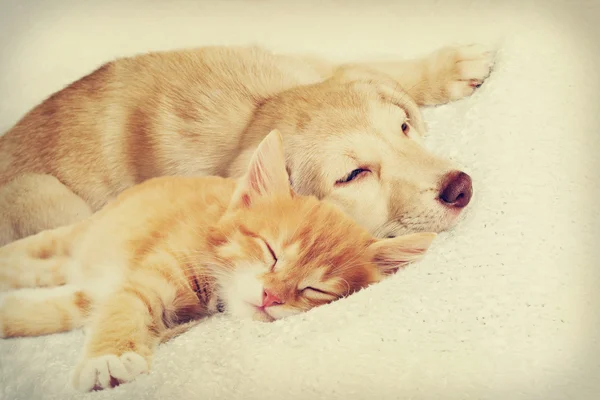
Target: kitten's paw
[(108, 371), (457, 72)]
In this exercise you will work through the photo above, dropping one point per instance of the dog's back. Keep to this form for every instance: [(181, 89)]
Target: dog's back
[(145, 116), (166, 113)]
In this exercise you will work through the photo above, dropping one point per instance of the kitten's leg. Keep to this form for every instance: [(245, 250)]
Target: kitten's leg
[(36, 261), (122, 337), (43, 311), (447, 74)]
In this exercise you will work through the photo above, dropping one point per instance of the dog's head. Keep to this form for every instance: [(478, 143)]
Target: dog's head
[(358, 145)]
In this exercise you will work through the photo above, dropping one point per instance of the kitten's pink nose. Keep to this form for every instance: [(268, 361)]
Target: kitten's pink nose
[(269, 299)]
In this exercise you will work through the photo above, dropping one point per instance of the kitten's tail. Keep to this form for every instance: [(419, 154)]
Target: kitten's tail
[(36, 261)]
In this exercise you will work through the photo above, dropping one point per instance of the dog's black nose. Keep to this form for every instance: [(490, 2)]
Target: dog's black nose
[(456, 189)]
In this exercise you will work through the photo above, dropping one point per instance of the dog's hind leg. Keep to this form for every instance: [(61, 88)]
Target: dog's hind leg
[(31, 203), (450, 73)]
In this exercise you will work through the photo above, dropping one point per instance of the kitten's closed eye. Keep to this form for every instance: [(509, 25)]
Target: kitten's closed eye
[(318, 294), (272, 253)]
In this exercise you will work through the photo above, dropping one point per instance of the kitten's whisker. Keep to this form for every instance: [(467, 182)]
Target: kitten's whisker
[(351, 263), (348, 287)]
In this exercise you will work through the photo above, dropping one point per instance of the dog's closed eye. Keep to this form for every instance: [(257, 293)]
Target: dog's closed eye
[(353, 175)]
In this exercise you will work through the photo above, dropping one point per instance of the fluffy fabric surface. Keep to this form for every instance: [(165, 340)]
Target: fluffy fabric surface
[(504, 307)]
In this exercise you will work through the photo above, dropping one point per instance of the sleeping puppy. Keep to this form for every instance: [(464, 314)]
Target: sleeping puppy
[(352, 134)]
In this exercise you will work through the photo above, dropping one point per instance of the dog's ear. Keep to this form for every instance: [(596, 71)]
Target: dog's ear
[(388, 89), (266, 174), (394, 94), (392, 254)]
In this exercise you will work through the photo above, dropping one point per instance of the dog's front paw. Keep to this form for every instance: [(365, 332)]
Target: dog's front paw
[(455, 72), (108, 371)]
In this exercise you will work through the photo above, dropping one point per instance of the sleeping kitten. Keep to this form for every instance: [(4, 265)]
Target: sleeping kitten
[(175, 249)]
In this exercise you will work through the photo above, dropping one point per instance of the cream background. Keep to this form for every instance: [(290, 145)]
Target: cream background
[(504, 307)]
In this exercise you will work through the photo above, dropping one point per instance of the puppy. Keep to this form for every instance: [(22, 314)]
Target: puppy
[(352, 133)]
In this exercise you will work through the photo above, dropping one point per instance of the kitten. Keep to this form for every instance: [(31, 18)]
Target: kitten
[(174, 249)]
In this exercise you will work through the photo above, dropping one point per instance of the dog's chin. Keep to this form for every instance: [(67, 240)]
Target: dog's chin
[(452, 217), (437, 219), (447, 221)]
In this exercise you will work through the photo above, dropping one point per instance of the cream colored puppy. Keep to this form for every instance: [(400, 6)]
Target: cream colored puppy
[(351, 133)]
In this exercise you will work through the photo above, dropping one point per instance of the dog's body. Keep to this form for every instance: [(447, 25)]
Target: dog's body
[(351, 134)]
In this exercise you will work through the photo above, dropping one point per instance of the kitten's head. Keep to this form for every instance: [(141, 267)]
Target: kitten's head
[(280, 254)]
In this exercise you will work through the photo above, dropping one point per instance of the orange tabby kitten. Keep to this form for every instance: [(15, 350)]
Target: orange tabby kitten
[(175, 249)]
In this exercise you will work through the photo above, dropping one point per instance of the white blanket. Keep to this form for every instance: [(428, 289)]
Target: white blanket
[(503, 307)]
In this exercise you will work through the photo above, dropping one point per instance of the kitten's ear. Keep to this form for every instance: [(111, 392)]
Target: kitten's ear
[(392, 254), (266, 175)]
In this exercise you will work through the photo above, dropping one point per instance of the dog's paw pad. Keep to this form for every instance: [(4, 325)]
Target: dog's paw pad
[(108, 371)]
